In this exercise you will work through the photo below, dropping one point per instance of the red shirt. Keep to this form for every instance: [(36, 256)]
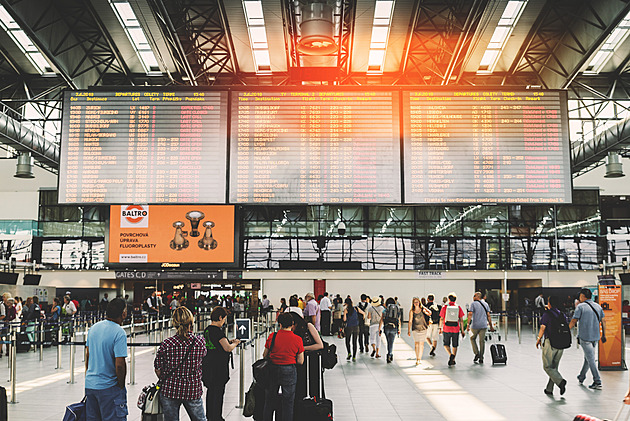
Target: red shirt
[(286, 348), (451, 329)]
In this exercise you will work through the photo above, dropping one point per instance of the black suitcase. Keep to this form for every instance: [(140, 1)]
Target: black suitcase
[(315, 407), (499, 355), (3, 404), (23, 344)]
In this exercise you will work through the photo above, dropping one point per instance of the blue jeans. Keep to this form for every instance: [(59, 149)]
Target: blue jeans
[(194, 408), (589, 349), (390, 335), (285, 376), (106, 404)]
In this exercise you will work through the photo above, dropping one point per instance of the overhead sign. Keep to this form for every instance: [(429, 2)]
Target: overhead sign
[(168, 276), (195, 285), (243, 329), (611, 352), (171, 233), (431, 274)]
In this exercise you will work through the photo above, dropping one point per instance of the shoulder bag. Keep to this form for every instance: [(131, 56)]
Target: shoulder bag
[(263, 368), (149, 400)]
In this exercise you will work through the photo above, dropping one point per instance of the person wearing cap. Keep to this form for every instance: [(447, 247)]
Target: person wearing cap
[(451, 324), (312, 313), (374, 315)]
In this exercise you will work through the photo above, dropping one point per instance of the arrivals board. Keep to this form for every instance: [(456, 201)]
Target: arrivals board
[(304, 146), (486, 147), (143, 146)]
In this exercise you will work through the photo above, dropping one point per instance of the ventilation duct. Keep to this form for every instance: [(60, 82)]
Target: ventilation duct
[(316, 30), (24, 166), (614, 167)]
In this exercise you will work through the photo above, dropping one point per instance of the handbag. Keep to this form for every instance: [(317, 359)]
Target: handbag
[(149, 398), (250, 401), (263, 368), (75, 412)]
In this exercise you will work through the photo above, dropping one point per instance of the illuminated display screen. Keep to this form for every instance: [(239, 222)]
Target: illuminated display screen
[(315, 147), (486, 147), (143, 147)]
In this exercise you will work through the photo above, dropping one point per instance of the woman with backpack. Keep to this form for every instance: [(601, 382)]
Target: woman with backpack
[(351, 318), (391, 325), (557, 337), (419, 317)]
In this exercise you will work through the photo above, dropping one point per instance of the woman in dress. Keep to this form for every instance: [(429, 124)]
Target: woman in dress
[(418, 324)]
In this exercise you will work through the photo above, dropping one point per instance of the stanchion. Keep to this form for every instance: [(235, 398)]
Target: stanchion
[(518, 326), (59, 334), (507, 325), (41, 340), (72, 338), (255, 336), (9, 346), (132, 358), (153, 330), (13, 372), (241, 378)]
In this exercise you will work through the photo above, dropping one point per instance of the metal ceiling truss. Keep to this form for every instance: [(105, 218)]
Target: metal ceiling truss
[(564, 37), (72, 37), (200, 40), (442, 33)]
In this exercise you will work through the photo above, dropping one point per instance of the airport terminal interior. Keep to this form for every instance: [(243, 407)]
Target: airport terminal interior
[(237, 153)]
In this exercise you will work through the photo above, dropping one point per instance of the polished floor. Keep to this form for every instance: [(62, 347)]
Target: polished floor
[(368, 389)]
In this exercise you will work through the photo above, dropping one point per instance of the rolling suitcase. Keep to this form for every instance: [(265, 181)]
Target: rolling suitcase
[(618, 417), (3, 404), (315, 407), (499, 355)]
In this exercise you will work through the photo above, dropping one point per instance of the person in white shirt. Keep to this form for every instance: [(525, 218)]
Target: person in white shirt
[(174, 304), (293, 307), (69, 306), (325, 306)]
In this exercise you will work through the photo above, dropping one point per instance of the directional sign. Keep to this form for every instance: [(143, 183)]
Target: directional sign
[(243, 329)]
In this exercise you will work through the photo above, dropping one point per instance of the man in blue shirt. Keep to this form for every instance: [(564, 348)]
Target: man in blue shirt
[(590, 315), (106, 368), (478, 321)]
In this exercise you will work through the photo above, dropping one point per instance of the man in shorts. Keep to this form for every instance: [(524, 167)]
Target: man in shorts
[(434, 327), (451, 324)]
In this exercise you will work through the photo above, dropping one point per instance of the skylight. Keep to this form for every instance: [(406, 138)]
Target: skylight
[(255, 19), (135, 33), (24, 43), (612, 42), (502, 32), (383, 10)]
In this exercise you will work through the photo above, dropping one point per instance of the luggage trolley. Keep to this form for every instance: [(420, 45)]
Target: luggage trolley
[(496, 322)]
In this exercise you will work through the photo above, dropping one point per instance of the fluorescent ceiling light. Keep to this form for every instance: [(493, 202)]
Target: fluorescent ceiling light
[(138, 38), (507, 22), (254, 16), (607, 50), (24, 43), (383, 10)]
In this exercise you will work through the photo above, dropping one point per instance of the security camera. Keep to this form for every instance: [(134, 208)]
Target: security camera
[(341, 228)]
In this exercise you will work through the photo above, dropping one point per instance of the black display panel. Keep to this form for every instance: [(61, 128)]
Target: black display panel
[(486, 147), (143, 146), (315, 147)]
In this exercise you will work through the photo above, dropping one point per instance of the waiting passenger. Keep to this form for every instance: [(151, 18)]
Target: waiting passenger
[(391, 321), (451, 324), (55, 310), (549, 324), (375, 314), (216, 371), (419, 317), (312, 343), (351, 318), (293, 307), (337, 325), (178, 365), (286, 353)]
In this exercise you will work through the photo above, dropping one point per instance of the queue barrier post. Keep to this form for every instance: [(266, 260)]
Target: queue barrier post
[(13, 371), (255, 336), (9, 346), (507, 325), (241, 377), (41, 340), (72, 339), (132, 358), (85, 335), (518, 326), (59, 334)]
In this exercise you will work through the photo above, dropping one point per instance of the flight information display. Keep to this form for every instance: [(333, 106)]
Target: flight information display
[(315, 147), (486, 147), (143, 147)]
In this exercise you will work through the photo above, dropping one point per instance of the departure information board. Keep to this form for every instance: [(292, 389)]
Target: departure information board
[(143, 147), (486, 147), (315, 147)]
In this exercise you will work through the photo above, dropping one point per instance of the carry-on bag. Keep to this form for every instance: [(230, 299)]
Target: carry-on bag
[(75, 412), (4, 416), (618, 417), (499, 355), (314, 407)]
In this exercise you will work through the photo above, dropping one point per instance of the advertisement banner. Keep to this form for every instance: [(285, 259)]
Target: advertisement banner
[(611, 352), (171, 233)]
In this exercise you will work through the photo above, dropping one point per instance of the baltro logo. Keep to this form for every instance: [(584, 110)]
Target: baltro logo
[(134, 216)]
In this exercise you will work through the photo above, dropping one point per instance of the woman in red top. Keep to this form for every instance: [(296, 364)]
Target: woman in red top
[(178, 365), (287, 351)]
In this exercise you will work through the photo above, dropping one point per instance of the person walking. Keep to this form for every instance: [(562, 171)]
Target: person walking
[(451, 324), (285, 350), (390, 322), (178, 365), (375, 315), (106, 366), (364, 325), (433, 331), (351, 318), (554, 344), (325, 307), (478, 321), (419, 317), (216, 371), (590, 316)]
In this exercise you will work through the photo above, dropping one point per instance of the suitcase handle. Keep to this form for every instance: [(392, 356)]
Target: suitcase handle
[(618, 416)]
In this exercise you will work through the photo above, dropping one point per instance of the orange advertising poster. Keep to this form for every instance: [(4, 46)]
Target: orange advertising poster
[(610, 353), (171, 233)]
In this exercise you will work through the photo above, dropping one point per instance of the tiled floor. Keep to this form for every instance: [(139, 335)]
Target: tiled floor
[(369, 389)]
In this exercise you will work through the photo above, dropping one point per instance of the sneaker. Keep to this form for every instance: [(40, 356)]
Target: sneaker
[(432, 353), (580, 381), (354, 359), (480, 360), (563, 387), (373, 354), (476, 358), (348, 357), (451, 360), (548, 392), (596, 386)]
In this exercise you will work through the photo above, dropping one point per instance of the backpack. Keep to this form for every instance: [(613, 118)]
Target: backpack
[(392, 316), (76, 304), (558, 333), (452, 316), (435, 313)]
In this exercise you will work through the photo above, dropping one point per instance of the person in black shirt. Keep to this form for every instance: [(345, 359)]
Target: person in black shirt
[(216, 372)]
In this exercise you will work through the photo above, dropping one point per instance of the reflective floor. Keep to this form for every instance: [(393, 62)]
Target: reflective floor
[(368, 389)]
